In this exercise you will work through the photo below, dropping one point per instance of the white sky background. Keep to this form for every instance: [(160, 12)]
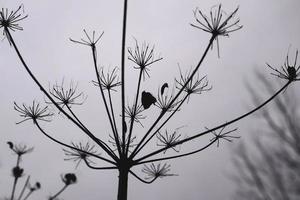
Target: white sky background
[(270, 27)]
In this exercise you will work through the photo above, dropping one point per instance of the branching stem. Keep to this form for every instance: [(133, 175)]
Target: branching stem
[(94, 52), (140, 179), (73, 114), (217, 127), (181, 155), (176, 96), (51, 99), (71, 147), (163, 124), (135, 107), (97, 168)]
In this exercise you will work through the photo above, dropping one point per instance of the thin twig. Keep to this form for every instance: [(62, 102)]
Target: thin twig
[(59, 192), (142, 180), (97, 168), (135, 109), (24, 187)]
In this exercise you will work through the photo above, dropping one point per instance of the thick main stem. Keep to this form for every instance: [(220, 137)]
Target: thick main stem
[(123, 72), (123, 183)]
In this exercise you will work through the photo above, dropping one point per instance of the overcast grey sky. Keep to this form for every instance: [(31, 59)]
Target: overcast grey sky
[(270, 27)]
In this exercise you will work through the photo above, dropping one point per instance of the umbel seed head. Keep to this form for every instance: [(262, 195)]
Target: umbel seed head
[(69, 178), (17, 172)]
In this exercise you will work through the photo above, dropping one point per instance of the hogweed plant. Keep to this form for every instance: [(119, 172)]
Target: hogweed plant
[(18, 172), (28, 189), (123, 151)]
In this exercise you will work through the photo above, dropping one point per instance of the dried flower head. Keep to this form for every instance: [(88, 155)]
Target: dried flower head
[(165, 101), (196, 85), (114, 144), (34, 187), (17, 172), (78, 155), (142, 56), (34, 112), (168, 140), (287, 71), (69, 178), (134, 113), (224, 136), (108, 81), (37, 185), (66, 96), (154, 171), (9, 20), (218, 23), (91, 41), (19, 149)]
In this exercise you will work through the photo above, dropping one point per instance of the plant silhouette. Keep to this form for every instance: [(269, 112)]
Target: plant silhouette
[(28, 189), (124, 150)]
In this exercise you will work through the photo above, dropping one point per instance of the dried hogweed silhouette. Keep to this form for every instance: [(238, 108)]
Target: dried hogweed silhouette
[(196, 85), (68, 179), (130, 143), (109, 81), (9, 20), (287, 71), (134, 113), (34, 112), (143, 57), (26, 191), (66, 96), (126, 147), (78, 156), (157, 171), (216, 24), (19, 149), (17, 171), (167, 139), (225, 136)]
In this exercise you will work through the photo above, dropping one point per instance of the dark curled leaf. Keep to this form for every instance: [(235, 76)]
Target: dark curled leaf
[(147, 99), (165, 85)]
